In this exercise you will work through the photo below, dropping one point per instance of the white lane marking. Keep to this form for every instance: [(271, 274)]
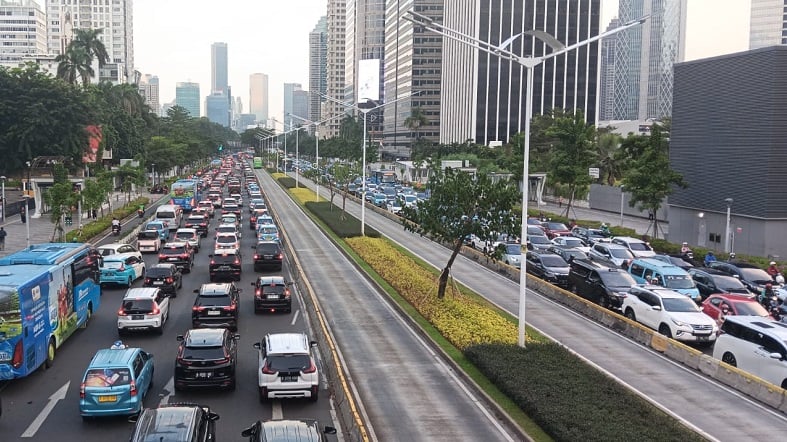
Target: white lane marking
[(167, 392), (295, 317), (276, 410), (56, 397)]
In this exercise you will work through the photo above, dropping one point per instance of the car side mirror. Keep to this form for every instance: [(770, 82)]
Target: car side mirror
[(329, 430), (236, 337), (196, 290), (213, 417), (656, 308), (312, 343), (257, 345), (254, 284), (210, 256), (179, 338), (133, 418)]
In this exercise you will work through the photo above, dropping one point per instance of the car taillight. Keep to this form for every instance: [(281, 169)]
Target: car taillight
[(280, 256), (133, 389), (169, 279), (230, 307), (122, 268), (256, 256), (257, 293), (286, 293), (212, 262), (267, 370), (82, 390), (156, 310), (237, 261), (162, 256), (121, 312), (184, 255), (197, 308), (147, 280), (16, 360), (312, 368)]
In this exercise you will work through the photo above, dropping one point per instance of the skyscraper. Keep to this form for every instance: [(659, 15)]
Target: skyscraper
[(217, 109), (768, 23), (334, 61), (218, 68), (606, 97), (148, 88), (289, 103), (300, 105), (483, 97), (317, 67), (187, 96), (115, 22), (23, 26), (413, 63), (258, 96), (643, 59), (365, 59)]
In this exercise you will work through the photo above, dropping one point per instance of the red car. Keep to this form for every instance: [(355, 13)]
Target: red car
[(741, 305), (554, 229)]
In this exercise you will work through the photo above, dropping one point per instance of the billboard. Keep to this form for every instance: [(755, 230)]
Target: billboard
[(94, 137), (368, 80)]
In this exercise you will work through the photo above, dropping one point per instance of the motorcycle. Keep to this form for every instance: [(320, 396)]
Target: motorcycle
[(116, 230), (140, 213)]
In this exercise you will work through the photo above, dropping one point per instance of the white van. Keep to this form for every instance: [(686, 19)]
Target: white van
[(171, 214), (756, 345)]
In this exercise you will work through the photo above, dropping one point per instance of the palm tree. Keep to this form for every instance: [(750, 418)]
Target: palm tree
[(416, 119), (74, 65), (610, 156), (88, 40)]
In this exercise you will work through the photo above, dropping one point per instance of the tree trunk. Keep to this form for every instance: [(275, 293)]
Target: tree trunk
[(343, 216), (570, 201), (447, 270)]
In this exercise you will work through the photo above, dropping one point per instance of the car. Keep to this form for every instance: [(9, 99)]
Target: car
[(287, 430), (230, 218), (228, 228), (538, 242), (675, 260), (606, 286), (238, 198), (198, 223), (512, 255), (710, 281), (637, 247), (549, 267), (572, 242), (272, 293), (263, 220), (257, 203), (230, 208), (268, 254), (734, 304), (176, 422), (647, 270), (227, 240), (286, 367), (255, 213), (567, 253), (190, 236), (121, 269), (118, 248), (166, 277), (225, 264), (753, 277), (149, 241), (590, 236), (554, 229), (208, 206), (216, 305), (754, 345), (159, 227), (206, 358), (179, 253), (267, 232), (612, 253), (670, 313), (115, 382), (145, 308)]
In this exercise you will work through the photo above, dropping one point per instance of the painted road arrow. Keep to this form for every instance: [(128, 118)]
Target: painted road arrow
[(56, 397)]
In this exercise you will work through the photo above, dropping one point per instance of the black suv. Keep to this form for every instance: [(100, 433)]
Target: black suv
[(198, 223), (268, 254), (225, 265), (567, 253), (167, 277), (179, 253), (549, 267), (195, 423), (753, 277), (307, 430), (216, 306), (272, 293), (606, 286), (710, 281), (206, 358)]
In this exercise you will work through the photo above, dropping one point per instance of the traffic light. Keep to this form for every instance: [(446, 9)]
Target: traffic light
[(221, 147)]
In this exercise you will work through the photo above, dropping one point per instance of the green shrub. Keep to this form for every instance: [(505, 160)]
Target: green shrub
[(287, 182), (344, 228), (569, 399), (101, 225)]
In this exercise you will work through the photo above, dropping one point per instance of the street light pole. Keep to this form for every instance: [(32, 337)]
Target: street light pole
[(3, 178), (529, 63), (621, 205), (727, 228)]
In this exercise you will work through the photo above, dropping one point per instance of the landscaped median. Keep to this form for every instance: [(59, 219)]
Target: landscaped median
[(566, 398)]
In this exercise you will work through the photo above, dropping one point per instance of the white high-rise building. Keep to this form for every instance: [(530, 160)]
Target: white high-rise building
[(113, 17), (334, 60), (318, 49), (768, 23), (22, 31), (258, 96), (148, 88)]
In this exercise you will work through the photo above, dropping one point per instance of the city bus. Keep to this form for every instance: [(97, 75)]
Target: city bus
[(185, 193), (47, 291), (384, 177), (257, 162)]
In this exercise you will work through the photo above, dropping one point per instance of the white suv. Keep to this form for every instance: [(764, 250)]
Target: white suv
[(637, 247), (755, 345), (143, 309), (673, 314), (286, 367)]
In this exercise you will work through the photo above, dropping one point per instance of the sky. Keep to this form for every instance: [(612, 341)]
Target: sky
[(172, 39)]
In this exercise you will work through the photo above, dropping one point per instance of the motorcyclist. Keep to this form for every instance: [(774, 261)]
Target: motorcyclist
[(709, 258), (117, 345), (732, 257), (605, 229), (685, 249), (772, 269), (115, 222), (766, 294), (141, 210)]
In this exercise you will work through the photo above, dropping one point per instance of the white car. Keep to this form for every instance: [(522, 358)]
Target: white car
[(670, 313), (227, 241), (754, 345), (190, 236), (286, 367), (143, 309), (571, 242), (637, 247), (117, 248), (228, 228), (149, 241), (238, 199)]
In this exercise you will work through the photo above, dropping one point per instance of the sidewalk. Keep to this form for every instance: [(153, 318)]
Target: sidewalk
[(42, 228), (640, 225)]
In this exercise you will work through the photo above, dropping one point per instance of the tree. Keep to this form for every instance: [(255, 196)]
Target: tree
[(573, 154), (129, 175), (650, 179), (461, 204), (74, 66), (60, 198), (611, 157), (414, 122)]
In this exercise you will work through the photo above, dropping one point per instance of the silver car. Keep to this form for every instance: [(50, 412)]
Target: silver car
[(190, 236)]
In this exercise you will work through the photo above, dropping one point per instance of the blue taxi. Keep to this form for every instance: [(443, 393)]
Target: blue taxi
[(160, 227), (122, 269), (115, 382), (267, 232)]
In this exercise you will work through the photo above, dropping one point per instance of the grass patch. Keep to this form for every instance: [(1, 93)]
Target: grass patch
[(331, 216)]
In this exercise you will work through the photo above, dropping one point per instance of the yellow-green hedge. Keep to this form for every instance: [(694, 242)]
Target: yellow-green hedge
[(302, 194), (461, 320)]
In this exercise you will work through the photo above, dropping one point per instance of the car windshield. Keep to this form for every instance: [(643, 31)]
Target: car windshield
[(106, 251), (556, 226), (532, 230), (195, 219), (573, 242), (576, 254), (267, 248), (228, 219), (156, 272), (228, 229), (289, 362), (540, 239), (112, 264), (680, 305), (639, 246), (155, 226), (680, 282), (553, 261), (224, 259), (270, 229), (756, 275), (184, 235), (132, 306), (107, 377), (207, 353), (226, 239), (621, 253), (513, 249), (617, 279), (218, 300), (273, 289), (728, 283), (752, 308), (177, 250), (147, 235)]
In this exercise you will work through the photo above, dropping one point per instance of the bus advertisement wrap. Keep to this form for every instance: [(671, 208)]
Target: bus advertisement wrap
[(184, 193)]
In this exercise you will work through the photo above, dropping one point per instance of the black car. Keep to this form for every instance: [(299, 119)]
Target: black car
[(710, 281), (549, 267), (606, 286), (216, 306), (179, 253), (174, 418), (753, 277), (225, 265), (198, 223), (166, 277), (272, 293), (206, 358), (268, 254), (567, 253), (306, 430)]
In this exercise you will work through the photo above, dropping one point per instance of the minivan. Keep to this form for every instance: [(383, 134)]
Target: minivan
[(755, 345), (115, 382), (644, 270), (182, 422), (170, 214), (606, 286)]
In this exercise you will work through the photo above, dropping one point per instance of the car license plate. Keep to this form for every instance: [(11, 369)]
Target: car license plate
[(158, 282), (107, 398), (214, 313), (703, 338), (267, 256), (137, 317), (273, 297), (205, 374), (172, 259), (224, 268), (289, 378)]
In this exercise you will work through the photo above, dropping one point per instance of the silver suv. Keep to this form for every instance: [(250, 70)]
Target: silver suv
[(610, 253)]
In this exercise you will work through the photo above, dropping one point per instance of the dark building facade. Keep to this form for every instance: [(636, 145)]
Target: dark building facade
[(729, 140)]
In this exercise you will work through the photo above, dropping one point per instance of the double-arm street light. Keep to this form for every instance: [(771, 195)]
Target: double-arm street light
[(365, 112), (529, 63), (3, 178), (317, 144)]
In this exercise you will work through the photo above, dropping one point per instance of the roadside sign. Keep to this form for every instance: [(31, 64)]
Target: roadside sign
[(594, 172)]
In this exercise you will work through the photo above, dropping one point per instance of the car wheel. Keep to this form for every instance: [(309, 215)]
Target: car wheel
[(315, 394), (50, 354), (630, 314), (664, 330), (603, 301), (729, 358), (160, 329), (130, 281), (263, 394)]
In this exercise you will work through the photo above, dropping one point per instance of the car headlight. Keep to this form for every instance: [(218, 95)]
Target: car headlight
[(678, 323), (549, 274)]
